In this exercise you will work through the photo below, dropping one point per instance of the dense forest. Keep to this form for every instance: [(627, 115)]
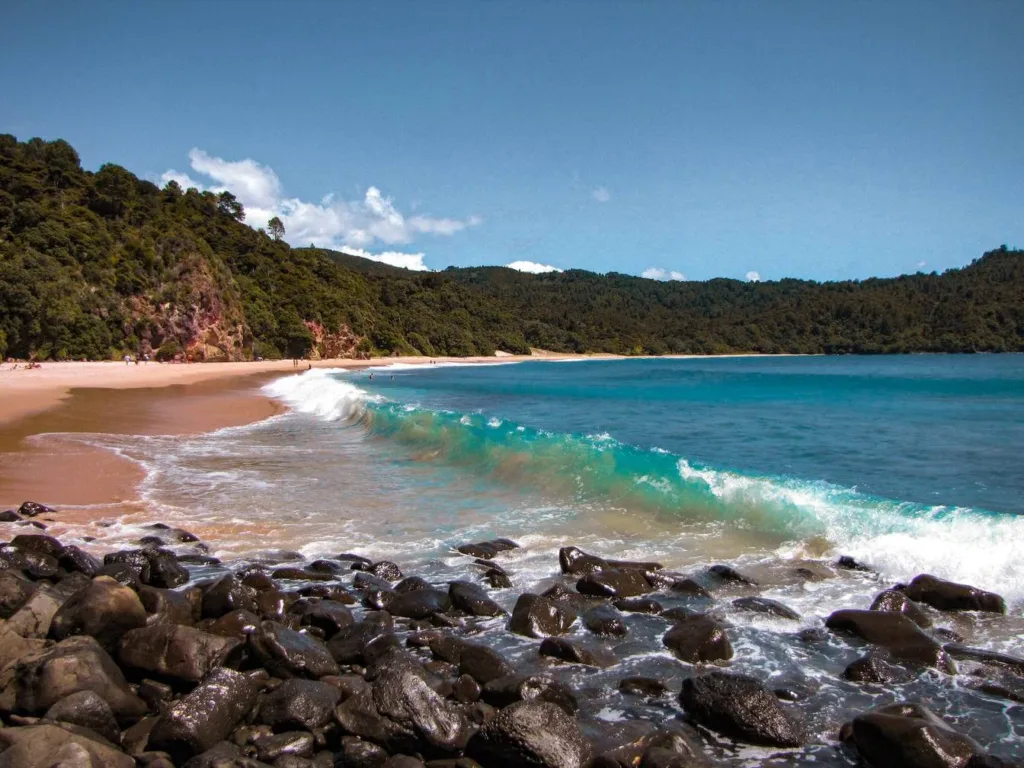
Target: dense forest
[(96, 265)]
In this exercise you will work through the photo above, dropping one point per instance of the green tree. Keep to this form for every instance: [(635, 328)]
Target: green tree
[(275, 228)]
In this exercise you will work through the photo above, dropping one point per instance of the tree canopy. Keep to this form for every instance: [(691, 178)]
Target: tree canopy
[(96, 264)]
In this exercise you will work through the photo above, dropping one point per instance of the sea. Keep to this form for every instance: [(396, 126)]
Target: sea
[(776, 466)]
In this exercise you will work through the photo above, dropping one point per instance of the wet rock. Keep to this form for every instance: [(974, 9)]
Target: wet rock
[(486, 550), (497, 579), (39, 543), (765, 606), (466, 689), (13, 646), (386, 570), (950, 596), (272, 604), (53, 746), (473, 599), (35, 565), (9, 516), (418, 604), (104, 609), (741, 708), (643, 686), (33, 508), (224, 754), (225, 595), (405, 761), (300, 574), (155, 694), (638, 605), (326, 566), (367, 581), (481, 663), (35, 683), (277, 556), (847, 563), (813, 635), (984, 656), (238, 624), (537, 616), (14, 593), (33, 619), (88, 710), (895, 601), (698, 639), (205, 716), (287, 653), (574, 561), (349, 645), (567, 650), (171, 650), (605, 620), (504, 691), (910, 736), (166, 572), (74, 559), (297, 743), (689, 588), (731, 575), (361, 754), (356, 562), (1001, 685), (900, 636), (171, 607), (300, 705), (138, 559), (872, 669), (412, 583), (327, 615), (530, 733), (122, 573), (618, 583), (679, 614)]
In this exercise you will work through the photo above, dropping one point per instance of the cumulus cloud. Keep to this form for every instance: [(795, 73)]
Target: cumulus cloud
[(657, 273), (601, 194), (532, 267), (753, 277), (413, 261), (329, 223)]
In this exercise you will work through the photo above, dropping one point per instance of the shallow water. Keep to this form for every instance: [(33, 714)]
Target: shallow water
[(910, 464)]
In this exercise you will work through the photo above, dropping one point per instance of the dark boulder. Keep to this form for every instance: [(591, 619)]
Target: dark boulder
[(689, 588), (137, 559), (731, 575), (741, 708), (15, 591), (224, 754), (765, 606), (900, 636), (300, 705), (574, 561), (910, 736), (205, 716), (566, 650), (104, 609), (294, 743), (537, 616), (643, 686), (287, 653), (87, 710), (418, 604), (950, 596), (73, 559), (367, 581), (873, 669), (39, 543), (122, 573), (165, 571), (33, 508), (300, 574), (614, 583), (34, 617), (35, 565), (604, 620), (466, 689), (386, 570), (895, 601), (638, 605), (328, 615), (47, 745), (485, 550), (171, 650), (473, 599), (847, 563), (35, 683), (349, 645), (530, 733), (238, 624), (481, 663), (985, 656), (10, 516), (698, 639), (412, 583), (168, 606), (498, 579), (227, 594), (355, 562), (504, 691)]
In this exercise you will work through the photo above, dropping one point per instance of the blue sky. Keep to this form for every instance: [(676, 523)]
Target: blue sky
[(788, 139)]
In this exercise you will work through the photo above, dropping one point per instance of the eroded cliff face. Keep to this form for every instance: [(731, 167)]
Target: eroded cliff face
[(328, 346)]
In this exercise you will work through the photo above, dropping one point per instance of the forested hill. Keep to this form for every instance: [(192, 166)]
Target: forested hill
[(93, 265)]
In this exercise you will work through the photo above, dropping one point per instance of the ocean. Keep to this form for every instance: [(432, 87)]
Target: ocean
[(909, 464)]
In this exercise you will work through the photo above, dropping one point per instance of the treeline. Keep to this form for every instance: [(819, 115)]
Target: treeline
[(96, 265)]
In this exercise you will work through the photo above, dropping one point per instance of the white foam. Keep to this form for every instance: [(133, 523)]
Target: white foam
[(392, 367), (321, 394)]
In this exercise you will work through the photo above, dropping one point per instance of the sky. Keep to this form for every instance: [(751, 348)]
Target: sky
[(675, 140)]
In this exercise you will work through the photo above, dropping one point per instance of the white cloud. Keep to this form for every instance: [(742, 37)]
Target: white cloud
[(413, 261), (601, 194), (753, 277), (329, 223), (657, 273), (922, 264), (532, 267)]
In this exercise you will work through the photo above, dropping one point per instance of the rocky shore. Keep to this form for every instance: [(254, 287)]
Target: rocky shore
[(162, 655)]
